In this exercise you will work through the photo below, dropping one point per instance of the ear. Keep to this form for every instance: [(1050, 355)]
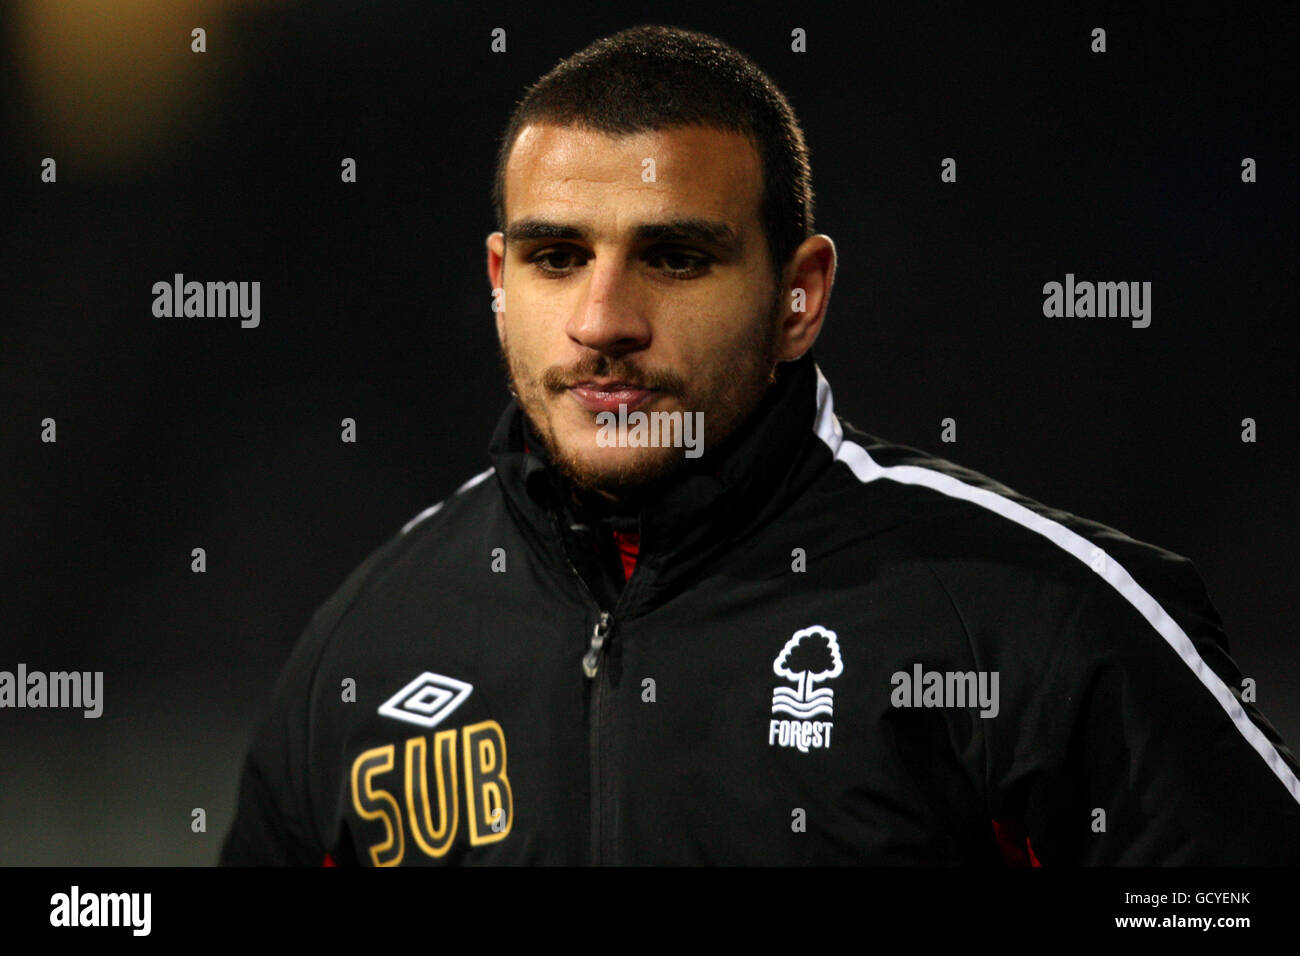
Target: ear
[(812, 270), (496, 264)]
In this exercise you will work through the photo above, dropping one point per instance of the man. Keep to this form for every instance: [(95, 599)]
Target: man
[(691, 616)]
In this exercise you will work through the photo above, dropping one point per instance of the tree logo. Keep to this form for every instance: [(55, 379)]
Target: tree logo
[(812, 654)]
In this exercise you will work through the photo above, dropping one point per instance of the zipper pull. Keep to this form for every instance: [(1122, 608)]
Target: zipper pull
[(591, 660)]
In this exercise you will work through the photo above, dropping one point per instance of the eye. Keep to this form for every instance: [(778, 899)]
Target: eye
[(680, 263), (556, 262), (545, 261)]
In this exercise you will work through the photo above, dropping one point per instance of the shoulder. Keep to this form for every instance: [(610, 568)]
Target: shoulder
[(1041, 592), (1026, 578), (436, 534), (955, 514)]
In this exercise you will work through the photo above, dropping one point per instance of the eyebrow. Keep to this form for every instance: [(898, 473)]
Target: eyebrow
[(704, 231)]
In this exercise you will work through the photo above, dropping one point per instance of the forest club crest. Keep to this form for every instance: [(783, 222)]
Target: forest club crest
[(811, 655)]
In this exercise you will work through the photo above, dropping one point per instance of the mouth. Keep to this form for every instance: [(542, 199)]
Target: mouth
[(597, 396)]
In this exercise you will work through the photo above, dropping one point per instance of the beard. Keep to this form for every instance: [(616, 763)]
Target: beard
[(731, 393)]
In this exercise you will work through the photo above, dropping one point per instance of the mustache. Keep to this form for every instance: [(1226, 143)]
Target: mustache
[(556, 379)]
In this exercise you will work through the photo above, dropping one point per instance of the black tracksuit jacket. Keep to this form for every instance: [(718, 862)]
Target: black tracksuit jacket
[(832, 649)]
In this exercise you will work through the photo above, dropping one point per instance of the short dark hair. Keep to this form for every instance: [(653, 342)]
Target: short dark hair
[(655, 77)]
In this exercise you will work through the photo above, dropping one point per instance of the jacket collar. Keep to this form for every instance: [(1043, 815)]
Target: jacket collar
[(712, 504)]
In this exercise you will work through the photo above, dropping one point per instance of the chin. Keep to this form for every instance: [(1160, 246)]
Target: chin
[(620, 474)]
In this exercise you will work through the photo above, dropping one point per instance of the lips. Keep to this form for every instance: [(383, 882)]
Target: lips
[(608, 396)]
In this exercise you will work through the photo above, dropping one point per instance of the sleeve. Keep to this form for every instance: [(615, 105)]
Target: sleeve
[(1145, 750), (273, 823)]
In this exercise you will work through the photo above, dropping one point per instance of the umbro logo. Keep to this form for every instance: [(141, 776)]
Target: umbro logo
[(427, 700)]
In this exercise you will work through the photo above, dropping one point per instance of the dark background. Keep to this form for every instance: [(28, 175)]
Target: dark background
[(182, 433)]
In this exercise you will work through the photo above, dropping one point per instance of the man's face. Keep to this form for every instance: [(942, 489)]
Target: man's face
[(626, 282)]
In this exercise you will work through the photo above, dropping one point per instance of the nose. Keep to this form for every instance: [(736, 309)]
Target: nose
[(610, 316)]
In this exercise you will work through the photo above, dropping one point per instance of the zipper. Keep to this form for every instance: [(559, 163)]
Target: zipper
[(591, 670), (591, 667), (605, 622), (591, 660)]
